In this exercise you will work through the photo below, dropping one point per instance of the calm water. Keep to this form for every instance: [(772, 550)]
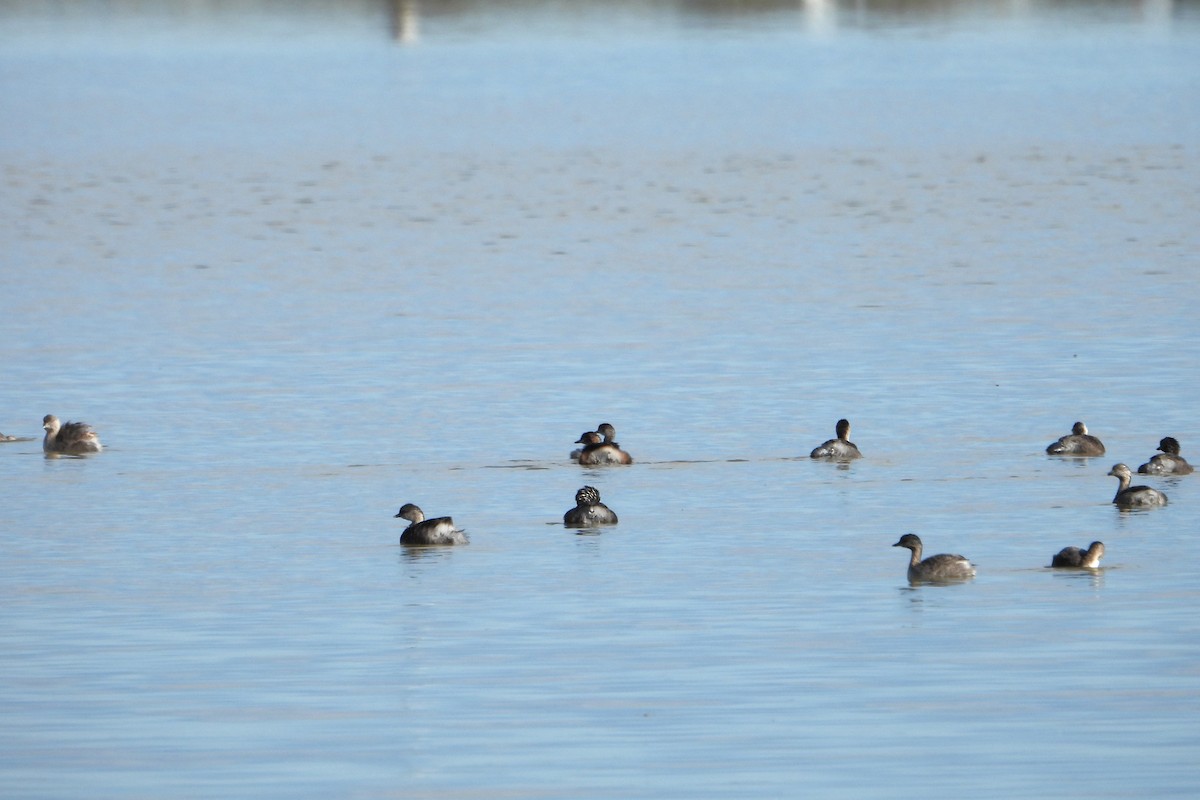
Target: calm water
[(301, 265)]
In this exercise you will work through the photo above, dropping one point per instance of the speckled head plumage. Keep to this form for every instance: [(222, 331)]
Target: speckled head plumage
[(587, 496)]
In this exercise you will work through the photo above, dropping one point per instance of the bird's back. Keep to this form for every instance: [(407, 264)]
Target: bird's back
[(440, 530), (1140, 496), (1166, 464), (586, 516), (837, 449), (1077, 444), (594, 455), (1068, 557), (942, 567), (73, 437)]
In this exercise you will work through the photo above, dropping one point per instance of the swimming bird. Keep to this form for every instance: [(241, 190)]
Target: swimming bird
[(839, 449), (439, 530), (942, 568), (74, 438), (1168, 462), (604, 429), (1074, 557), (4, 437), (588, 510), (597, 452), (1134, 496), (1077, 443), (578, 451), (608, 432)]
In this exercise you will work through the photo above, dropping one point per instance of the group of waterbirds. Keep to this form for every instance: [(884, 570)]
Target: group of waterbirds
[(600, 449), (951, 567), (1168, 462), (946, 567)]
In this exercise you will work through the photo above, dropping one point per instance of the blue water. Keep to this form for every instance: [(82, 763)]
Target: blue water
[(299, 266)]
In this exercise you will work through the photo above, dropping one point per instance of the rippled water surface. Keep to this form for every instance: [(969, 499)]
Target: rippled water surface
[(299, 265)]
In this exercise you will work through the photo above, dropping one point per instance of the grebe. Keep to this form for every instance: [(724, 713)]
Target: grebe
[(439, 530), (588, 510), (839, 449), (942, 568)]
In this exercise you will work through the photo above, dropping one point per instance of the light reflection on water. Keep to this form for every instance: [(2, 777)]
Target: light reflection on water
[(357, 282)]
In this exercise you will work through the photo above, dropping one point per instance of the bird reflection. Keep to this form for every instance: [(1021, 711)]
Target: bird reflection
[(820, 16), (404, 21)]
